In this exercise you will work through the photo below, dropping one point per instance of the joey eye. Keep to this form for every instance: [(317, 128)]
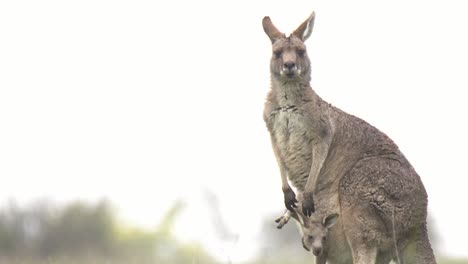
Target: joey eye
[(310, 237)]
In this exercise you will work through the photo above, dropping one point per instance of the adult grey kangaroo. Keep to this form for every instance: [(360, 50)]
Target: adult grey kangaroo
[(330, 155)]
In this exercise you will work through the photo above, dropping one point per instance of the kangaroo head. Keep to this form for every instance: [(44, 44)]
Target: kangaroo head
[(289, 61), (314, 232)]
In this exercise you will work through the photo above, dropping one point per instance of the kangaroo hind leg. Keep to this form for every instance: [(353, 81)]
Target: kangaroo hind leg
[(419, 250), (364, 255)]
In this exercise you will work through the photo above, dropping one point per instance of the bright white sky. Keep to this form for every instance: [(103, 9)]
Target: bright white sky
[(146, 102)]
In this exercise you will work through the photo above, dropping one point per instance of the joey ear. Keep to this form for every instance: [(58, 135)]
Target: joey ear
[(270, 29), (305, 29), (330, 220), (296, 216), (304, 220)]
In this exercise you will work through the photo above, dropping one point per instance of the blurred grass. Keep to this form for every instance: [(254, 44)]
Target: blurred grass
[(446, 260), (81, 233), (194, 260)]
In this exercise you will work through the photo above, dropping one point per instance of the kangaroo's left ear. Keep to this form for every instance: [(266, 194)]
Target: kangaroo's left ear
[(305, 29), (330, 220)]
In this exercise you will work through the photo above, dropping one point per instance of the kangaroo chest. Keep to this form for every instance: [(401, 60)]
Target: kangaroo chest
[(291, 134)]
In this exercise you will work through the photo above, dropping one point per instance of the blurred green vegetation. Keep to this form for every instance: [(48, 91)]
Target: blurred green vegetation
[(84, 233), (452, 261), (88, 233)]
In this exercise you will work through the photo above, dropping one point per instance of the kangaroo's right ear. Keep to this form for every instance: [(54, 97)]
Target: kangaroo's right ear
[(270, 29), (330, 220)]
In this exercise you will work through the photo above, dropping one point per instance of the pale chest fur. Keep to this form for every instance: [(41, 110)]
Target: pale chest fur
[(290, 132)]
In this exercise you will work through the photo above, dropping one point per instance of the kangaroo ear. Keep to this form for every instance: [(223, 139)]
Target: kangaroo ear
[(296, 216), (270, 29), (304, 220), (305, 29), (330, 220)]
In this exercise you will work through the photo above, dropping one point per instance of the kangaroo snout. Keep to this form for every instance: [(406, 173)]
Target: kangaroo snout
[(317, 251), (289, 65), (290, 69)]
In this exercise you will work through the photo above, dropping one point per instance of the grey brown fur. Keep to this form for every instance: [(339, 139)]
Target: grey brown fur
[(327, 243), (341, 162)]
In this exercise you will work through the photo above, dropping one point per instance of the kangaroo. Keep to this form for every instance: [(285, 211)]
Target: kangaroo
[(328, 154), (318, 236), (330, 245), (314, 233)]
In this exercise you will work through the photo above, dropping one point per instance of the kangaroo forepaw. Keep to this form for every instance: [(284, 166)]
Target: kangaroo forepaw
[(290, 200), (308, 206)]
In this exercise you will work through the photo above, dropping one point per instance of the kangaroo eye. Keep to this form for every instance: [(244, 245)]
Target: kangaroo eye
[(311, 237), (301, 52), (277, 53)]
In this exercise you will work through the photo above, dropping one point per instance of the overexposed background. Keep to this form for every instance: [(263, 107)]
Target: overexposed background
[(149, 102)]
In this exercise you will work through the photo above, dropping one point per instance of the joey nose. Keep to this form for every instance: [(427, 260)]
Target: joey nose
[(317, 251), (289, 65)]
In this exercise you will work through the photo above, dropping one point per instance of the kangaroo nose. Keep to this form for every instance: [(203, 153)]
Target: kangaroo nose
[(317, 251), (289, 65)]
